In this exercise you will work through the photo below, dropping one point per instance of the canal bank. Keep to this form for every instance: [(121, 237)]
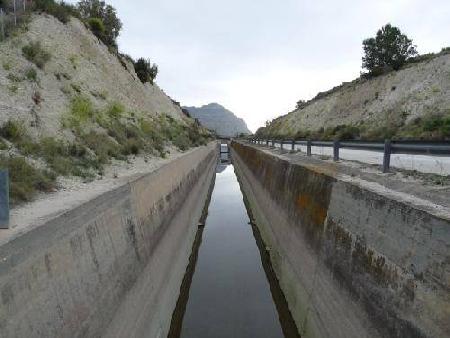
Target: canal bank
[(353, 257), (113, 265)]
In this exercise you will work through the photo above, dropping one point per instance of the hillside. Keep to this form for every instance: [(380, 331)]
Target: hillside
[(79, 65), (69, 106), (215, 117), (413, 102)]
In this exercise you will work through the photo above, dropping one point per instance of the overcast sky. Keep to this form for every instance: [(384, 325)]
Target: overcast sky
[(259, 57)]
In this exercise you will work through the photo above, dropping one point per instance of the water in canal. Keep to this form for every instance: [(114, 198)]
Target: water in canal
[(229, 289)]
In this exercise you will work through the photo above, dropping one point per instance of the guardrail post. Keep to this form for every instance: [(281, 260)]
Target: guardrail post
[(4, 199), (293, 145), (336, 151), (387, 155), (308, 148)]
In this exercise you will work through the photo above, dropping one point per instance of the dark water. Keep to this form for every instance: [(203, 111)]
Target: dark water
[(229, 289)]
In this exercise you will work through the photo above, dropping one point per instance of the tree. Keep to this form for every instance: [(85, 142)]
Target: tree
[(390, 49), (90, 9), (145, 71)]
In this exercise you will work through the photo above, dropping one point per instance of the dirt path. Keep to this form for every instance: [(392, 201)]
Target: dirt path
[(73, 192)]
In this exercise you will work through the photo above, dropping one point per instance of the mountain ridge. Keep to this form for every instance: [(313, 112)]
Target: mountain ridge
[(216, 117)]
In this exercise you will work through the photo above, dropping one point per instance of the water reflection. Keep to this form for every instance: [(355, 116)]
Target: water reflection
[(228, 294)]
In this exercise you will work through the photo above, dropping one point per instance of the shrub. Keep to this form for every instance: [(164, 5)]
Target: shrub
[(96, 26), (25, 180), (14, 78), (145, 71), (33, 52), (81, 110), (13, 88), (31, 74), (102, 145), (60, 10), (115, 110), (13, 131)]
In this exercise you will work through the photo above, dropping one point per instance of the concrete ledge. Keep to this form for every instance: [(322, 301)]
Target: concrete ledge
[(353, 260), (73, 275)]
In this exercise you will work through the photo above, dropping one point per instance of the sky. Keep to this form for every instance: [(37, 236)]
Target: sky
[(259, 57)]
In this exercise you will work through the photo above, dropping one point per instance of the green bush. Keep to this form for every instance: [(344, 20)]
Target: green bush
[(81, 111), (13, 131), (145, 71), (60, 10), (14, 78), (33, 52), (115, 110), (96, 26), (31, 74), (25, 180), (103, 146)]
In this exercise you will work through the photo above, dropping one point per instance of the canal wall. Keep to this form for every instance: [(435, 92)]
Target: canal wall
[(353, 259), (114, 265)]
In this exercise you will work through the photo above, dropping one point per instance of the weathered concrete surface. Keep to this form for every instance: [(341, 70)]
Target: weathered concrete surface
[(354, 258), (111, 266)]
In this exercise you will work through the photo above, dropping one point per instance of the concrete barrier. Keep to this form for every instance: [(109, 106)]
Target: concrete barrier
[(113, 266), (354, 259)]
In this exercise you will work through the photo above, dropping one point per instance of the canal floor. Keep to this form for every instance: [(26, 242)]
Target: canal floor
[(229, 289)]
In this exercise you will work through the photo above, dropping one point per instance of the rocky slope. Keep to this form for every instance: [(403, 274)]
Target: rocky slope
[(391, 101), (215, 117), (79, 65), (69, 108)]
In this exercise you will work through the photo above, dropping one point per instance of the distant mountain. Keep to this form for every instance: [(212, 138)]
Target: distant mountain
[(215, 117)]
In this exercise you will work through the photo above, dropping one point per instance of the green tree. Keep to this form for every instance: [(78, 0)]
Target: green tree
[(90, 9), (390, 49), (145, 71)]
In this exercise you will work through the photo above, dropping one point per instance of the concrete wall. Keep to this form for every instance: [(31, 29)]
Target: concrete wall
[(352, 260), (112, 266)]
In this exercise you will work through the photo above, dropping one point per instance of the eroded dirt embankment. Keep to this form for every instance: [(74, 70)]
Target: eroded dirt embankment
[(355, 257)]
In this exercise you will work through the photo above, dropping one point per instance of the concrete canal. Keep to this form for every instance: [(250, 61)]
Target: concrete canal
[(230, 289)]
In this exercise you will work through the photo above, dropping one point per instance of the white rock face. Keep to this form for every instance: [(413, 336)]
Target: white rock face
[(79, 64), (417, 90)]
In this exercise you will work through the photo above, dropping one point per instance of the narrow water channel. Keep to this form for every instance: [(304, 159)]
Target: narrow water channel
[(230, 289)]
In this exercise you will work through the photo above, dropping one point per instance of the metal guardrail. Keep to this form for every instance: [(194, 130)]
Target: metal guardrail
[(388, 147), (4, 199)]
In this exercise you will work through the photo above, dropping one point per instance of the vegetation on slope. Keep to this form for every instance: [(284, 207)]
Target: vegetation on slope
[(100, 136), (91, 137), (431, 127), (390, 50)]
